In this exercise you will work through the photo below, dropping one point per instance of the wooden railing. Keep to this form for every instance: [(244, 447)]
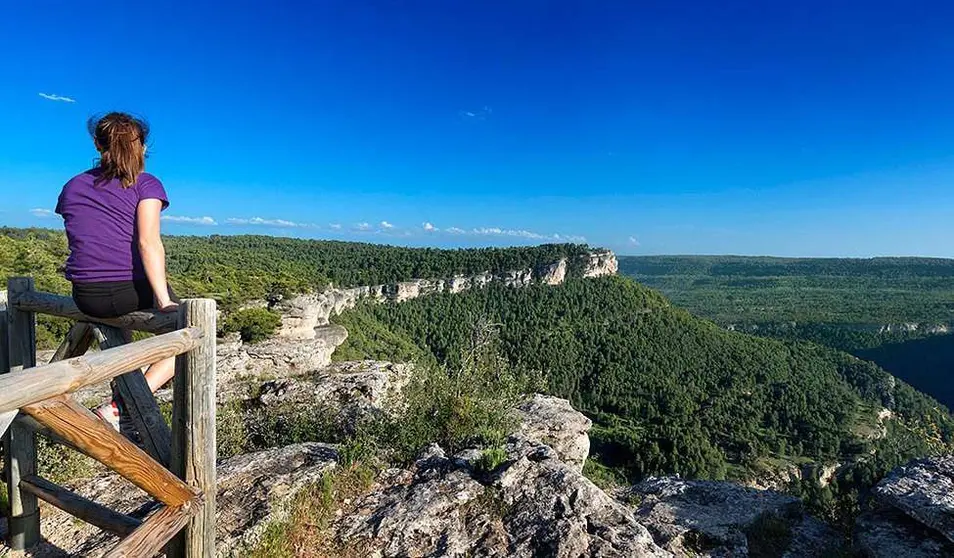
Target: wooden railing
[(175, 466)]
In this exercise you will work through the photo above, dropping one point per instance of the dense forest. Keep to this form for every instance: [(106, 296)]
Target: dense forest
[(670, 393), (887, 310), (241, 268), (236, 269), (752, 290)]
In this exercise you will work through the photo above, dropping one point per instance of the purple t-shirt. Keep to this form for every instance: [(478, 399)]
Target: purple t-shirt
[(101, 226)]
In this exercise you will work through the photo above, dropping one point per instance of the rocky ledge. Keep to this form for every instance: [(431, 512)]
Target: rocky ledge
[(913, 513), (533, 501)]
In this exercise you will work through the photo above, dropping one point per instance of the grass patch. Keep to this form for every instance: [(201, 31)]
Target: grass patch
[(61, 464), (307, 531)]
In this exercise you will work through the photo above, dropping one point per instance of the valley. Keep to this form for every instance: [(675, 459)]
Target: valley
[(896, 312)]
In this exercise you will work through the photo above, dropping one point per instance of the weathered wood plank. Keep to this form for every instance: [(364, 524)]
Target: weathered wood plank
[(45, 303), (20, 444), (18, 389), (139, 402), (76, 343), (77, 506), (29, 423), (193, 427), (149, 539), (82, 428)]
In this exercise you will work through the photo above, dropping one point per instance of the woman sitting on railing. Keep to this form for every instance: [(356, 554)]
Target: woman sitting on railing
[(117, 260)]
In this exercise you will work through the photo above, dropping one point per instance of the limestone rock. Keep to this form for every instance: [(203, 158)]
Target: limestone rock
[(924, 490), (253, 490), (554, 274), (277, 356), (301, 314), (708, 518), (888, 533), (352, 389), (552, 421), (533, 506), (600, 264)]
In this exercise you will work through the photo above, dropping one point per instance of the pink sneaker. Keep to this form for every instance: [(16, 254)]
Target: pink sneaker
[(109, 413)]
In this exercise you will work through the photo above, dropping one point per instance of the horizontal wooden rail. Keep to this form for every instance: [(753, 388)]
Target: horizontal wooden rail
[(152, 321), (77, 506), (33, 385)]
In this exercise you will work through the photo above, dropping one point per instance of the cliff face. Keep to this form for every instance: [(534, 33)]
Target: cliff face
[(306, 338), (302, 314)]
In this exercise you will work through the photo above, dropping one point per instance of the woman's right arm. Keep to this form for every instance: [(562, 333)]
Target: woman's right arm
[(152, 251)]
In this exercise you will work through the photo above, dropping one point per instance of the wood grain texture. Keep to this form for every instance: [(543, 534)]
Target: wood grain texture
[(149, 539), (139, 402), (193, 427), (31, 424), (45, 303), (77, 506), (76, 343), (20, 444), (22, 388), (79, 426)]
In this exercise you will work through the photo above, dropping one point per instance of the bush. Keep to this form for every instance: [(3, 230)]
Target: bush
[(473, 405), (253, 324)]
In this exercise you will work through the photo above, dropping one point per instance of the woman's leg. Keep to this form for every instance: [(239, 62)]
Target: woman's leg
[(159, 373)]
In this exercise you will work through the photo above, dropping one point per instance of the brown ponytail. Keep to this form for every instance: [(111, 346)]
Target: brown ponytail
[(121, 141)]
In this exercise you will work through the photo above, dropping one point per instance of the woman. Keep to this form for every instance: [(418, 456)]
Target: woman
[(117, 261)]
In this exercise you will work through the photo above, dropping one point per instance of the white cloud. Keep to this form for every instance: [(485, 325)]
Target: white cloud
[(52, 97), (258, 221), (429, 227), (362, 227), (633, 241), (455, 230), (335, 226), (482, 113), (386, 225), (530, 235), (189, 220), (38, 212)]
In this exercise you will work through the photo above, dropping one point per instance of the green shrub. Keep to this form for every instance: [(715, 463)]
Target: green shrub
[(472, 405), (253, 324)]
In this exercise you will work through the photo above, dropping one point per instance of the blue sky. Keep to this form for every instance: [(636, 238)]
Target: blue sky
[(786, 128)]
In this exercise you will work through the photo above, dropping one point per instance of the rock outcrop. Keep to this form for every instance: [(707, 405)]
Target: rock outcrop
[(914, 513), (553, 422), (708, 518), (600, 264), (532, 505), (348, 390), (254, 490)]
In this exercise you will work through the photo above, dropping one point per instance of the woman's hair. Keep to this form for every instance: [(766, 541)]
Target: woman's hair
[(121, 140)]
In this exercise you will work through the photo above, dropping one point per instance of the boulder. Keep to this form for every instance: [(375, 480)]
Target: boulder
[(533, 505), (924, 490), (710, 518), (888, 533), (914, 515), (350, 389), (554, 422)]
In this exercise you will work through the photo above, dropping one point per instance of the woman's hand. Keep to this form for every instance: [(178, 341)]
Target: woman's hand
[(167, 306)]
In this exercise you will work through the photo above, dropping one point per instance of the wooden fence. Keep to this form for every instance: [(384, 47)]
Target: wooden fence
[(175, 466)]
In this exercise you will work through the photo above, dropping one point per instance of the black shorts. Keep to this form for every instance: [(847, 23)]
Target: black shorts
[(112, 299)]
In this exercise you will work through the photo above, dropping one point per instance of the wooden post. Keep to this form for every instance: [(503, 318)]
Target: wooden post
[(20, 444), (193, 429)]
